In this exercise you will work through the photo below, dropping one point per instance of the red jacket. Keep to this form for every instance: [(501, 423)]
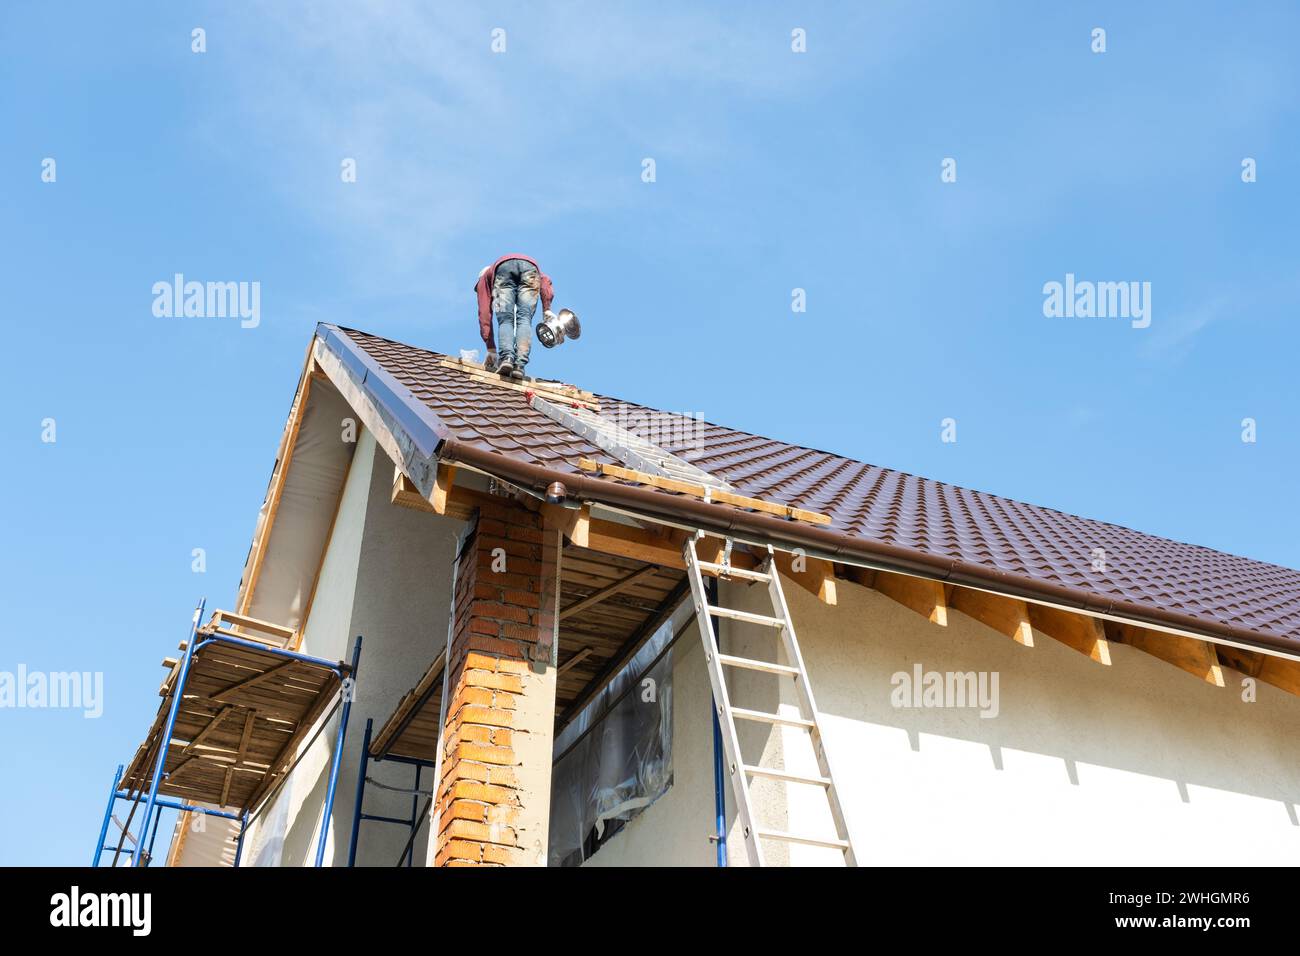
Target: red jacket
[(483, 288)]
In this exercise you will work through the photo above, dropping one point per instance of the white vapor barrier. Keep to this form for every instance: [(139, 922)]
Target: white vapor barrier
[(616, 757)]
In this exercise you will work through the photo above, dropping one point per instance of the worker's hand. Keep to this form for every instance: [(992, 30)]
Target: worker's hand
[(548, 315), (490, 363)]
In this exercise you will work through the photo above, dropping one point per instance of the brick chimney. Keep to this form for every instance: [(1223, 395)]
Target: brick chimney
[(495, 791)]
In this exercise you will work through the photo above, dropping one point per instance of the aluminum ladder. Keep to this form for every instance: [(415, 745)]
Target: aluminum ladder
[(807, 721)]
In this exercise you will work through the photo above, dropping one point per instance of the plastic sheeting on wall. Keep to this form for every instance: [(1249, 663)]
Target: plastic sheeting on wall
[(612, 765)]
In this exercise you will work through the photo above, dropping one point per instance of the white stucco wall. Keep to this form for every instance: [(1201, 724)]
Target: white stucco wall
[(1137, 763), (387, 577)]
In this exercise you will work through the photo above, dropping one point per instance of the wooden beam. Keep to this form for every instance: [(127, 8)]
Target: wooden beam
[(609, 591), (1006, 615), (1281, 673), (246, 737), (253, 681), (573, 522), (458, 502), (225, 786), (712, 550), (249, 624), (678, 486), (443, 482), (817, 576), (575, 659), (640, 544), (203, 734), (1196, 657), (1247, 662), (922, 595), (1083, 633), (558, 392)]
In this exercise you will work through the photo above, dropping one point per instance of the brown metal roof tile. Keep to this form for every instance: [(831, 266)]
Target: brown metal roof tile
[(884, 506)]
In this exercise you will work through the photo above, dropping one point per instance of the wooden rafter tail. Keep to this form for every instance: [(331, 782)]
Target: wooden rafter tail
[(924, 596), (716, 495), (1198, 658), (814, 575), (1081, 632), (1283, 673), (1006, 615)]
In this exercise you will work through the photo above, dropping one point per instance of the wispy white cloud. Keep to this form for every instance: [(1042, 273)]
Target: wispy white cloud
[(1172, 339), (452, 140)]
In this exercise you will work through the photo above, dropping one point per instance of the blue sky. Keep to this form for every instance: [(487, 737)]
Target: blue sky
[(775, 170)]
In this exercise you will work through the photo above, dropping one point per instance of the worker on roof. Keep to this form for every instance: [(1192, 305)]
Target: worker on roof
[(508, 291)]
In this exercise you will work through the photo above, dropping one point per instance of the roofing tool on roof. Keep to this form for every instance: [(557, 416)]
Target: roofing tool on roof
[(554, 329)]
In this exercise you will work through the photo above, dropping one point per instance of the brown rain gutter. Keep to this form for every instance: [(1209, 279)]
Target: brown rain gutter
[(723, 519)]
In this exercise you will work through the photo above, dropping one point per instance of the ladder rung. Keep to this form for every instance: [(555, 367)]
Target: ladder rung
[(745, 616), (787, 776), (764, 717), (807, 840), (728, 571), (753, 665)]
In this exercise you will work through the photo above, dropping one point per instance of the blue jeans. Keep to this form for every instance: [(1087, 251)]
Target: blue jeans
[(515, 290)]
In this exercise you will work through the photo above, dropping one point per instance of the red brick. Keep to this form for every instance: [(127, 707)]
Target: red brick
[(493, 526), (466, 810), (501, 756), (520, 598), (502, 650), (481, 832), (488, 716), (485, 625), (502, 612), (478, 661), (461, 850), (521, 632), (473, 790), (520, 533), (502, 814), (501, 682), (506, 856)]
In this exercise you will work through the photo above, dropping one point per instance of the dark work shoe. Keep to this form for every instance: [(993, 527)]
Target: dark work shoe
[(505, 368), (517, 374)]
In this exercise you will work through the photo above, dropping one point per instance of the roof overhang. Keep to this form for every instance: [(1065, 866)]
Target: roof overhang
[(414, 436)]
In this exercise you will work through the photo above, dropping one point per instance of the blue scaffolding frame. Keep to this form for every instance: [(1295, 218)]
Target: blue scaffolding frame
[(418, 814), (141, 855)]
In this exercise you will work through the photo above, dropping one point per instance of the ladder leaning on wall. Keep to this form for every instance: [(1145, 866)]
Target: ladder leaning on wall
[(808, 720)]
